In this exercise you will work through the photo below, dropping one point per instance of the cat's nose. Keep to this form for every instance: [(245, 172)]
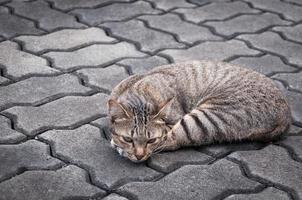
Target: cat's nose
[(139, 157)]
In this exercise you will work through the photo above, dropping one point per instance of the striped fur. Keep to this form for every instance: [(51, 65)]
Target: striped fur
[(194, 103)]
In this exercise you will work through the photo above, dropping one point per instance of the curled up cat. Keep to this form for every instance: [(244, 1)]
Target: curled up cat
[(191, 104)]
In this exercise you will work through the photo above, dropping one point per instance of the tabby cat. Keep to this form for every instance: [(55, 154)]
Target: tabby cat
[(194, 103)]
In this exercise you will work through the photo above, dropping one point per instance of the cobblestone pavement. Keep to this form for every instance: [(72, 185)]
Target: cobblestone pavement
[(59, 60)]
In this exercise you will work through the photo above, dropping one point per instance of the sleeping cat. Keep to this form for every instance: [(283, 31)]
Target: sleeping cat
[(194, 103)]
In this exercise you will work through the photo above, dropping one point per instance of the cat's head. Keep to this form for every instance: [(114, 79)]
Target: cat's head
[(138, 129)]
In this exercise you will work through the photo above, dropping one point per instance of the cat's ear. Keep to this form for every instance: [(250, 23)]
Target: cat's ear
[(163, 110), (118, 111)]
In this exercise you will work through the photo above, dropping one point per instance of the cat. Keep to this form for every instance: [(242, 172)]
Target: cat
[(194, 103)]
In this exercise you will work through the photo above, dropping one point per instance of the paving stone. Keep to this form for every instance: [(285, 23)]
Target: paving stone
[(294, 143), (64, 39), (18, 63), (267, 64), (295, 130), (11, 25), (294, 100), (71, 4), (142, 65), (268, 193), (114, 197), (105, 78), (272, 42), (211, 51), (66, 182), (186, 32), (85, 146), (294, 1), (202, 2), (28, 155), (49, 19), (215, 11), (247, 24), (115, 12), (193, 182), (171, 4), (3, 80), (103, 123), (7, 134), (149, 40), (65, 112), (274, 164), (294, 80), (291, 32), (169, 161), (287, 10), (94, 55)]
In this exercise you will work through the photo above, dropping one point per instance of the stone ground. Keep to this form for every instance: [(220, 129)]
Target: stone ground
[(59, 59)]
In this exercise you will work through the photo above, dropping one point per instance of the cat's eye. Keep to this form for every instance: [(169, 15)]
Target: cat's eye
[(127, 139), (151, 141)]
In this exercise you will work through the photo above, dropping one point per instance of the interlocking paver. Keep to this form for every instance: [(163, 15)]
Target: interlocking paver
[(211, 51), (105, 78), (11, 25), (291, 32), (295, 130), (294, 143), (266, 64), (186, 32), (114, 197), (169, 161), (71, 4), (247, 23), (66, 182), (293, 80), (49, 19), (103, 123), (38, 89), (64, 39), (115, 12), (215, 11), (193, 182), (171, 4), (18, 63), (149, 40), (86, 146), (7, 134), (287, 10), (94, 55), (268, 193), (294, 1), (3, 80), (28, 155), (294, 100), (64, 112), (274, 164), (272, 42)]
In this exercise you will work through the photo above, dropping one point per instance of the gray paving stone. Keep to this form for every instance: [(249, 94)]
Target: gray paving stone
[(28, 155), (64, 39), (171, 4), (38, 89), (268, 194), (211, 51), (149, 40), (274, 164), (169, 161), (294, 100), (294, 1), (142, 65), (71, 4), (7, 134), (94, 55), (18, 63), (247, 23), (49, 19), (266, 64), (114, 197), (186, 32), (11, 25), (287, 10), (202, 2), (294, 80), (193, 182), (291, 32), (3, 80), (115, 12), (103, 123), (105, 78), (294, 143), (85, 146), (215, 11), (295, 130), (66, 182), (64, 112), (272, 42)]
